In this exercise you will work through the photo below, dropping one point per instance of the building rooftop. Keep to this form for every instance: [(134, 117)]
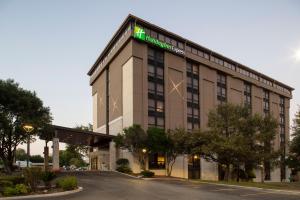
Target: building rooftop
[(189, 46)]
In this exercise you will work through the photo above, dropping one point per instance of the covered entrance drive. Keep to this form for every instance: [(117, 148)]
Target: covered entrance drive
[(101, 146)]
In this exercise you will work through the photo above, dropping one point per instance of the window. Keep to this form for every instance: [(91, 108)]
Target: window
[(221, 88), (266, 102), (282, 136), (192, 72), (161, 37), (157, 161), (180, 45), (156, 88), (247, 95)]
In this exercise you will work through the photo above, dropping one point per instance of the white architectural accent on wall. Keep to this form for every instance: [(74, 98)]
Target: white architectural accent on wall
[(116, 126), (112, 156), (180, 167), (95, 111), (275, 175), (127, 90), (101, 129), (209, 170), (55, 155), (257, 173), (133, 162), (102, 161)]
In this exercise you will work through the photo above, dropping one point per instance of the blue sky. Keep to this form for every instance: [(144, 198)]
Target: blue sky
[(48, 46)]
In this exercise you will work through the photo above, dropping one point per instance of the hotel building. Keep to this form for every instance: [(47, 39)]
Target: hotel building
[(149, 76)]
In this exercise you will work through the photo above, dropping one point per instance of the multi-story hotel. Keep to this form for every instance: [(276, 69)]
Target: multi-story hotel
[(149, 76)]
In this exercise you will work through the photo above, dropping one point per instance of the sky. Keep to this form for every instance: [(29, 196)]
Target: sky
[(49, 46)]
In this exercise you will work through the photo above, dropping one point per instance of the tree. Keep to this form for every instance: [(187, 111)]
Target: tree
[(71, 156), (21, 154), (265, 153), (82, 149), (36, 159), (18, 107), (293, 160), (134, 138), (177, 143), (227, 137), (157, 141)]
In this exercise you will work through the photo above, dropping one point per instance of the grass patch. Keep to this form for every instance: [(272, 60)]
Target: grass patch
[(267, 185)]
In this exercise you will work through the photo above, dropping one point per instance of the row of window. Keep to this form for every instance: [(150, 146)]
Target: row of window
[(193, 113), (221, 88), (156, 105), (282, 121), (247, 95), (266, 102), (233, 67), (156, 92)]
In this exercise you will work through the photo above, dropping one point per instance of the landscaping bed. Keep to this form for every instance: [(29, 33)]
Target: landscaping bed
[(33, 181)]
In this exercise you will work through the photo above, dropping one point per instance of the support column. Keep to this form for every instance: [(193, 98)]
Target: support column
[(46, 157), (112, 156), (55, 155)]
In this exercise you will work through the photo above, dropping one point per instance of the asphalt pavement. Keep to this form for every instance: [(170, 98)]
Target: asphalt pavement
[(114, 186)]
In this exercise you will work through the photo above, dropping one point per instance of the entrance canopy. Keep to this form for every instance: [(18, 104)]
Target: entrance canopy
[(78, 137)]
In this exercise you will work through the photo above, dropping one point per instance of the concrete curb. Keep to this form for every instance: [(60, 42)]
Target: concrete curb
[(252, 188), (136, 177), (58, 194)]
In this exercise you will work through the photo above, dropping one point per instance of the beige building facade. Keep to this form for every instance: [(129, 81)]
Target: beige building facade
[(149, 76)]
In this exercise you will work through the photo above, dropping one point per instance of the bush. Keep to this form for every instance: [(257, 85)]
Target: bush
[(123, 162), (47, 177), (250, 175), (14, 179), (124, 169), (33, 177), (5, 183), (147, 174), (67, 183), (22, 189), (10, 191)]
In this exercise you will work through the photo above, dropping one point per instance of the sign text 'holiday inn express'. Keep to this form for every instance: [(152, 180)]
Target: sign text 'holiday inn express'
[(139, 33)]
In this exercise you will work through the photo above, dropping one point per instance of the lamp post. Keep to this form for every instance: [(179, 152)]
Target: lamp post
[(28, 129)]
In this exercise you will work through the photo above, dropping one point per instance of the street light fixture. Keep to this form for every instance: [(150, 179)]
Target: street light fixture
[(144, 150), (28, 129)]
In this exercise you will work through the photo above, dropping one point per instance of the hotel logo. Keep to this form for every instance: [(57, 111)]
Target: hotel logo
[(139, 33)]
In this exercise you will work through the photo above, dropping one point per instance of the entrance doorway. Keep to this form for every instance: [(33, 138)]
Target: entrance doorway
[(194, 167)]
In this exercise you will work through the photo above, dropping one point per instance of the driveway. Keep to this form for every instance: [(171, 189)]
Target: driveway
[(113, 186)]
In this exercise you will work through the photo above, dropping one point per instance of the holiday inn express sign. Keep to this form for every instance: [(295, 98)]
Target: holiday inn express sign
[(139, 33)]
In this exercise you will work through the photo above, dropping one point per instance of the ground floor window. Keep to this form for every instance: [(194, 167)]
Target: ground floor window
[(157, 161)]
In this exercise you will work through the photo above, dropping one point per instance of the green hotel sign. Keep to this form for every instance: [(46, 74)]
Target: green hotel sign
[(139, 33)]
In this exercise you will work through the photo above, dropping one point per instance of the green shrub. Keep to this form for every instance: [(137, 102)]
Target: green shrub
[(22, 189), (67, 183), (123, 162), (147, 174), (33, 176), (47, 177), (250, 175), (14, 179), (10, 191), (124, 169), (5, 183)]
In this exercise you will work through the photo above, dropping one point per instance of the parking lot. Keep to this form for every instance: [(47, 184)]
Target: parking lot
[(113, 186)]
